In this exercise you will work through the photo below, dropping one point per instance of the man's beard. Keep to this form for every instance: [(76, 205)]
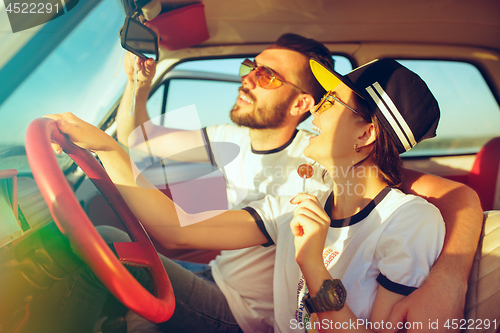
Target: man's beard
[(268, 117)]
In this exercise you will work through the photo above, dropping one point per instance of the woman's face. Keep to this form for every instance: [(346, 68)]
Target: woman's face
[(338, 130)]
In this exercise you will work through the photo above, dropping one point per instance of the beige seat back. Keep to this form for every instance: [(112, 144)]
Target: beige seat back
[(483, 295)]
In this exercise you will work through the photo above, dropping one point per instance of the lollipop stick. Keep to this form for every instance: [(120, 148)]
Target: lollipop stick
[(305, 171)]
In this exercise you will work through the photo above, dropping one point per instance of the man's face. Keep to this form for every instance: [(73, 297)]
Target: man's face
[(260, 108)]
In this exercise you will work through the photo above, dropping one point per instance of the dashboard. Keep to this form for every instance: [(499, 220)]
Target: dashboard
[(10, 228), (33, 252)]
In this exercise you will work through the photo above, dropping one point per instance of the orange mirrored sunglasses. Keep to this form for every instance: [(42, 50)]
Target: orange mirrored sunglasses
[(266, 78)]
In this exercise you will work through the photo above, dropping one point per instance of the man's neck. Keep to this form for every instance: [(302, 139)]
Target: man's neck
[(268, 139)]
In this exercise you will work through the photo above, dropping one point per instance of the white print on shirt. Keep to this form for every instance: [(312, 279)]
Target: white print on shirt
[(301, 313)]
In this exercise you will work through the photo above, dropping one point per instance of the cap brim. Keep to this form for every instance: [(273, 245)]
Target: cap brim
[(328, 80)]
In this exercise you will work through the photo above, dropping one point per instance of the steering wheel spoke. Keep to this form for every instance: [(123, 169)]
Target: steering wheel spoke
[(132, 252)]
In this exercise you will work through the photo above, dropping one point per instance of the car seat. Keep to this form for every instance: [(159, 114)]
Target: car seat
[(483, 177), (483, 294)]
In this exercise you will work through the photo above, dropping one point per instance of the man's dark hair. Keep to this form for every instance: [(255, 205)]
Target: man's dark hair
[(311, 49)]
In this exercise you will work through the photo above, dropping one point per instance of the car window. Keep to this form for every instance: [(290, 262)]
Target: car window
[(470, 115), (213, 100), (78, 76)]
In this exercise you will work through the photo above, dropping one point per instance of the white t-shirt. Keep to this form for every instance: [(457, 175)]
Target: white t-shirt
[(394, 242), (245, 276)]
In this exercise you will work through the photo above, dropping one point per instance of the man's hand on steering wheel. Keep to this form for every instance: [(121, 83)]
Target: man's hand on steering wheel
[(81, 133), (43, 135)]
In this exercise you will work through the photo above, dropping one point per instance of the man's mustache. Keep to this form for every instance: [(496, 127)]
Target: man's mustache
[(248, 93)]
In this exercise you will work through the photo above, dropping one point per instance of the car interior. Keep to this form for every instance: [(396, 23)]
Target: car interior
[(50, 205)]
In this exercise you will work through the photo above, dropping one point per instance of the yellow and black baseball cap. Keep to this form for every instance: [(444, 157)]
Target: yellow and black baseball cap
[(401, 100)]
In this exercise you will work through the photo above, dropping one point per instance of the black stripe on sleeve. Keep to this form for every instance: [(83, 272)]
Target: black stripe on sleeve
[(208, 146), (260, 224), (394, 287)]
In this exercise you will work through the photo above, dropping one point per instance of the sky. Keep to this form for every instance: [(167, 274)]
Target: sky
[(77, 77)]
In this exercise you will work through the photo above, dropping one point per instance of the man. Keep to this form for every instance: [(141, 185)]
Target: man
[(269, 117), (271, 149)]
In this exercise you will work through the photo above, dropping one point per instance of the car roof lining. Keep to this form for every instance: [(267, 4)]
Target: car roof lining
[(461, 22)]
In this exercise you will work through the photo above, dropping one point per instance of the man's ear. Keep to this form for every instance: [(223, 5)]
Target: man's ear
[(303, 103)]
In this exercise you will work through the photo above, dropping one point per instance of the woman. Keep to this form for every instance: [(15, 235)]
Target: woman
[(369, 237), (341, 259)]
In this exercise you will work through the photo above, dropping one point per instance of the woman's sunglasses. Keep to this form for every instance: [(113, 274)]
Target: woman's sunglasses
[(327, 102), (265, 76)]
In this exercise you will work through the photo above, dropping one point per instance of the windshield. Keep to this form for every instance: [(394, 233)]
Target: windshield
[(79, 75)]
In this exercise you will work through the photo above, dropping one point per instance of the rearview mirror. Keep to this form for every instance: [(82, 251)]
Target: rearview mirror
[(139, 39)]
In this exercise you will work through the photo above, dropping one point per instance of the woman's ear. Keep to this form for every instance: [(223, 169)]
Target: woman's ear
[(303, 103), (368, 135)]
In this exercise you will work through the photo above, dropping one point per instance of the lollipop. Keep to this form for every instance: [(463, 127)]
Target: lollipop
[(305, 171)]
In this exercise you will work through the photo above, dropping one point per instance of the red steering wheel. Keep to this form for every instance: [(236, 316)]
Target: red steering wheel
[(77, 227)]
